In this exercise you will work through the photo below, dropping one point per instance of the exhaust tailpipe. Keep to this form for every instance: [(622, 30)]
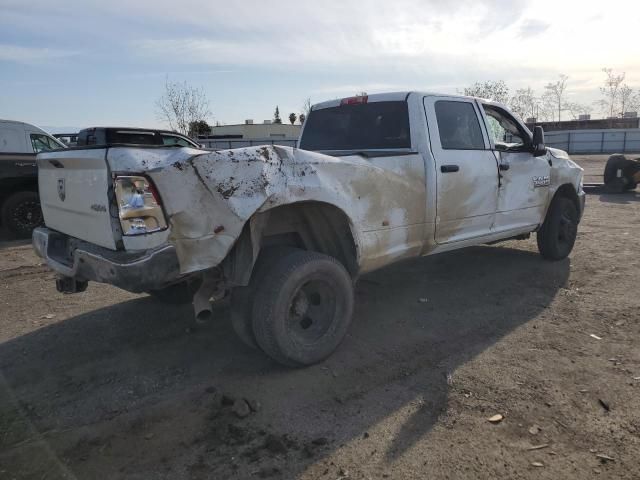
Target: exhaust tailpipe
[(211, 284)]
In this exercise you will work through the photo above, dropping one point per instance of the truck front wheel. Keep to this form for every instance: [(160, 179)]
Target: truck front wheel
[(21, 213), (302, 308), (558, 233)]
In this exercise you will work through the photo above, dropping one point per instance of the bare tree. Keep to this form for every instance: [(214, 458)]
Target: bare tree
[(306, 107), (577, 109), (611, 92), (181, 105), (555, 93), (628, 99), (525, 103), (292, 118), (490, 89)]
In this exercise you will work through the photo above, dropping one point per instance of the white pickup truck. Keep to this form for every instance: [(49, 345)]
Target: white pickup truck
[(288, 231)]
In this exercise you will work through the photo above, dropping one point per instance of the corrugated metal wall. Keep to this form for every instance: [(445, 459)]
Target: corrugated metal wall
[(595, 141)]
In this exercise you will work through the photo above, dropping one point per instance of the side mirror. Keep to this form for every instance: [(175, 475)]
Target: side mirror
[(539, 147)]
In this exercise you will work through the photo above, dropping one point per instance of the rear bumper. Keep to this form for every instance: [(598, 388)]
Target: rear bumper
[(135, 272)]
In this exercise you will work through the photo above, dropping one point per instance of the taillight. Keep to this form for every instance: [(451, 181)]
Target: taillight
[(354, 100), (139, 206)]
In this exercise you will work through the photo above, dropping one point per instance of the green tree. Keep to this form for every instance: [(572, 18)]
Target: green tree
[(302, 118), (276, 116), (199, 127), (292, 118)]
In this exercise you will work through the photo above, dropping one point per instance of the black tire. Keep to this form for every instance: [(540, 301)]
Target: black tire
[(21, 213), (558, 233), (303, 308), (629, 169), (177, 294), (242, 297)]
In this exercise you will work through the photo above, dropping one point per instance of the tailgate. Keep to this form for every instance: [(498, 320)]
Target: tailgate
[(74, 194)]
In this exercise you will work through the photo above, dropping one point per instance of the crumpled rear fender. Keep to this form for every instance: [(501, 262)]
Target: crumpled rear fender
[(209, 197)]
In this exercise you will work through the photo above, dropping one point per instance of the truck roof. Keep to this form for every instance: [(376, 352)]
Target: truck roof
[(388, 97)]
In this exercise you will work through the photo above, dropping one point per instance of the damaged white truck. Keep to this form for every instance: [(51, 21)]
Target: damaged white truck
[(376, 179)]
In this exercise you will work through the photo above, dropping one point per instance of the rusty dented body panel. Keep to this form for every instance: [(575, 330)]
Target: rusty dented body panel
[(208, 197)]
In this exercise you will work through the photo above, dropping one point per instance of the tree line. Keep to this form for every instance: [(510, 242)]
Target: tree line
[(185, 109), (617, 98)]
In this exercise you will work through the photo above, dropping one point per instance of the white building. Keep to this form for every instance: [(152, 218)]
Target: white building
[(249, 133)]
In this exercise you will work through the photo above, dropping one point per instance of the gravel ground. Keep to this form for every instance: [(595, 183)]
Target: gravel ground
[(107, 384)]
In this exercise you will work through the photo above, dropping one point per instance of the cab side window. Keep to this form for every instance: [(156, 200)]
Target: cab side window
[(458, 126), (42, 143), (504, 130), (175, 140)]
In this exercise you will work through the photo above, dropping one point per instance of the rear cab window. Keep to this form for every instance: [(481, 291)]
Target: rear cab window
[(362, 126), (132, 137)]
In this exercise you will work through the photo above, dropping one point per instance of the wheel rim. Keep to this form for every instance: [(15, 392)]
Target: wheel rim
[(27, 215), (312, 311), (568, 227)]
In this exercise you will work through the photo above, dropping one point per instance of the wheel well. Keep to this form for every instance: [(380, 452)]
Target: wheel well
[(313, 226), (568, 191), (12, 185)]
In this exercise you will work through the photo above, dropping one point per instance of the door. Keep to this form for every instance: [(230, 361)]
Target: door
[(466, 169), (524, 179)]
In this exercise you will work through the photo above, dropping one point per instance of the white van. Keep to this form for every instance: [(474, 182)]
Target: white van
[(19, 202)]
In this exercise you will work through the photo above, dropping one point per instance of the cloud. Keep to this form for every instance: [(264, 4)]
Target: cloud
[(532, 27), (29, 55)]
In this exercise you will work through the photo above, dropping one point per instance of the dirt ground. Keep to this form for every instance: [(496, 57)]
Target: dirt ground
[(107, 384)]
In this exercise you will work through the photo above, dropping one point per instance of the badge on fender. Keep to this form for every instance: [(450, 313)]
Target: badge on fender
[(543, 181)]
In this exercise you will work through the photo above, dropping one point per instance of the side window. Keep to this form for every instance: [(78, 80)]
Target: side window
[(458, 125), (175, 140), (505, 132), (42, 143)]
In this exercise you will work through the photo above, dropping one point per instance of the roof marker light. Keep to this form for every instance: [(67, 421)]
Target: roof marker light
[(354, 100)]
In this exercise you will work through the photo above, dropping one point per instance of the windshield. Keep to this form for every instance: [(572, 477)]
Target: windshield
[(368, 126)]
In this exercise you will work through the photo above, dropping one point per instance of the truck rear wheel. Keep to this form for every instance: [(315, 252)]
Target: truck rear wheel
[(242, 297), (558, 233), (21, 213), (302, 308)]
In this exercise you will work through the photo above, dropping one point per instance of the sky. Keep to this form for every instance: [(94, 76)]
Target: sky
[(80, 63)]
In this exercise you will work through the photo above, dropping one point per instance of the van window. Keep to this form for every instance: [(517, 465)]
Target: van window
[(42, 143), (458, 125), (365, 126)]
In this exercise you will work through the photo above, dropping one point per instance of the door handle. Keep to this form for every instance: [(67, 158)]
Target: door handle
[(449, 168), (504, 167)]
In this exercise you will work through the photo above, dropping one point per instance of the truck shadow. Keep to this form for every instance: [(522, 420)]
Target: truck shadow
[(8, 240), (100, 375), (621, 198)]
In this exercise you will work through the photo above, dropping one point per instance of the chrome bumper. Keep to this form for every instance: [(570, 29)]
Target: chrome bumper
[(135, 272)]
